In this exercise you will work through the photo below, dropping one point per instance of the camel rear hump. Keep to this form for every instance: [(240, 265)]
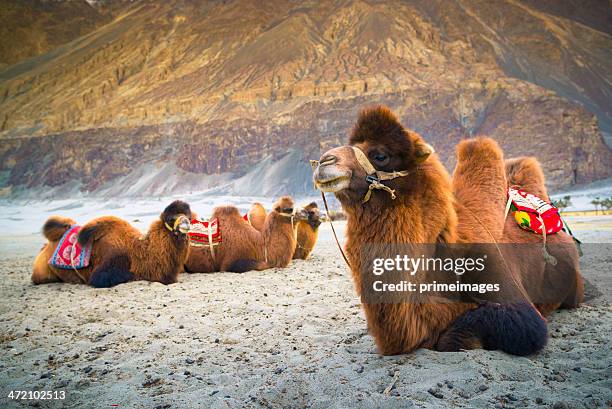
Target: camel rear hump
[(526, 173), (55, 227), (100, 227)]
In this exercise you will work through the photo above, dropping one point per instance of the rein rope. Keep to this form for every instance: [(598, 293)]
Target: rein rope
[(210, 241), (508, 270), (334, 232), (76, 270)]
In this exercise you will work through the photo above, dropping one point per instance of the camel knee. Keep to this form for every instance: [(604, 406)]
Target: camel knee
[(43, 276), (41, 273)]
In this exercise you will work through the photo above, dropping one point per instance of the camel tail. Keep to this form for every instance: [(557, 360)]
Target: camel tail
[(244, 265), (55, 227), (526, 173), (516, 329), (94, 230)]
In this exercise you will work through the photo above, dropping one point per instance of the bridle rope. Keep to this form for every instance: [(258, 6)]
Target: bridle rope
[(334, 232), (374, 177)]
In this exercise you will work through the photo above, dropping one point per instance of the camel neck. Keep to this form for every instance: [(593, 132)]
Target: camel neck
[(159, 248), (426, 215)]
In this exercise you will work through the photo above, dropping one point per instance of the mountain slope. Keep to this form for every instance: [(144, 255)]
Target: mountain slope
[(216, 87)]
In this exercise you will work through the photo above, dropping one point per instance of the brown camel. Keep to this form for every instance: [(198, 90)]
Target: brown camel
[(564, 278), (243, 247), (119, 251), (307, 232), (257, 216), (394, 189)]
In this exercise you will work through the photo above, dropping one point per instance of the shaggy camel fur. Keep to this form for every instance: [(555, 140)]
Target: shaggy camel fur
[(257, 216), (307, 232), (119, 251), (564, 278), (429, 209), (243, 248)]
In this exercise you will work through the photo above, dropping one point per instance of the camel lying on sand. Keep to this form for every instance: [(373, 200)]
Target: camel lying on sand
[(394, 189), (307, 232), (119, 252), (243, 247)]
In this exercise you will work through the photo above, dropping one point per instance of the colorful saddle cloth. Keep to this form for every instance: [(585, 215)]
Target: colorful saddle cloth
[(203, 233), (69, 253), (533, 213)]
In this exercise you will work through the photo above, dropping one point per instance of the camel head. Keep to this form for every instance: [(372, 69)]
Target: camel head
[(381, 155), (176, 217), (285, 207), (312, 215)]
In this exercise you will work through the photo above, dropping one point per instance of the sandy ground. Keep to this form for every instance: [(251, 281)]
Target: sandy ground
[(293, 337)]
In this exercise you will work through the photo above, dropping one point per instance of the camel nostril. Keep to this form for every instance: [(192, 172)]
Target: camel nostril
[(328, 160)]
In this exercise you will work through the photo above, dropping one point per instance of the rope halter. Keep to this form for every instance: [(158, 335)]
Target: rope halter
[(181, 225), (375, 177), (285, 213)]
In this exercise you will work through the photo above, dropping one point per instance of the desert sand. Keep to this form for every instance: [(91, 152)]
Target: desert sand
[(280, 338)]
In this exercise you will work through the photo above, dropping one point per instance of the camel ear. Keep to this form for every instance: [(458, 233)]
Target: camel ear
[(422, 151)]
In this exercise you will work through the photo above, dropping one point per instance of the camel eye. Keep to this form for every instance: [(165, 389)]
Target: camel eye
[(380, 158)]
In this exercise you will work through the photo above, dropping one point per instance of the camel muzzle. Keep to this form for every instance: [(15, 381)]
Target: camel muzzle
[(184, 225), (181, 225), (328, 175)]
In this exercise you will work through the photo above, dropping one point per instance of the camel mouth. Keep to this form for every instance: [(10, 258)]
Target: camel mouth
[(184, 225), (335, 184), (301, 214)]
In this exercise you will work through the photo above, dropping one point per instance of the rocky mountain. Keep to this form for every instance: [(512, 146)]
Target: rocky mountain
[(209, 90)]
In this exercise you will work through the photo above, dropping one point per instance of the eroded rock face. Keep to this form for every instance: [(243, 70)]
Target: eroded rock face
[(216, 87)]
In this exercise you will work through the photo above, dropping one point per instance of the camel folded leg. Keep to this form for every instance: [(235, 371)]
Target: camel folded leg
[(112, 271), (41, 273), (517, 329)]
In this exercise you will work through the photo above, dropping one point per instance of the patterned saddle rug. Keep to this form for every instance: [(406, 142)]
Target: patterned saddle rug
[(534, 214), (206, 233), (69, 253)]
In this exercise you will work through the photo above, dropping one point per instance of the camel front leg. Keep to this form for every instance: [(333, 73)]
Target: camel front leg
[(402, 328)]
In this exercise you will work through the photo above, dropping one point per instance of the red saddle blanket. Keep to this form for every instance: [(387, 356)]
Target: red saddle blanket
[(206, 232), (530, 212), (69, 253)]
